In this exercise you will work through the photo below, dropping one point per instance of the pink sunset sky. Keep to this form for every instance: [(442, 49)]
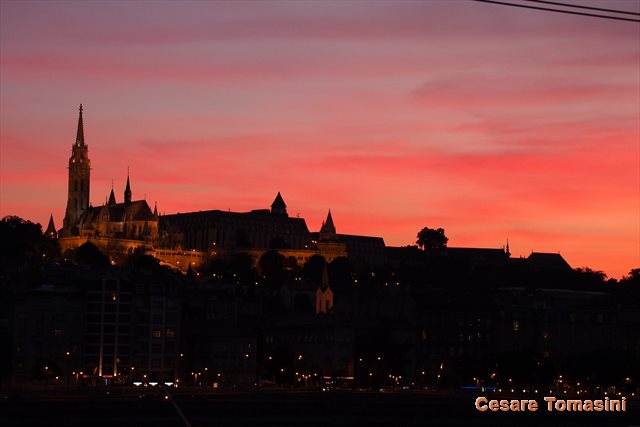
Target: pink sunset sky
[(490, 121)]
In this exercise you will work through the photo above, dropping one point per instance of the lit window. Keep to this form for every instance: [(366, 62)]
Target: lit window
[(171, 333), (516, 325), (157, 333)]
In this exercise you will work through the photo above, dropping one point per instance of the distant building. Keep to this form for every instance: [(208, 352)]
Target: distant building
[(47, 333), (184, 239), (260, 230), (217, 230), (113, 227), (324, 294), (107, 337)]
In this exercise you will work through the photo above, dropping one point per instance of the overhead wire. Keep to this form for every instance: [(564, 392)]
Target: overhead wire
[(579, 6), (548, 9)]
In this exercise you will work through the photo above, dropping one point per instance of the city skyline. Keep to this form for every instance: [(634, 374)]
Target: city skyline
[(388, 116)]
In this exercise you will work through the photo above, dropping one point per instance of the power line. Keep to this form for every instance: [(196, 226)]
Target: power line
[(575, 6), (558, 10)]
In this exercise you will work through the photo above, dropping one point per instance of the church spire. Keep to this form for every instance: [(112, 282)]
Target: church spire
[(112, 196), (80, 133), (127, 190), (51, 229), (155, 210), (324, 294)]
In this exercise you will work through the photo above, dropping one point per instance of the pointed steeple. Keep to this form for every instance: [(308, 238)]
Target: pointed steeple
[(327, 225), (79, 182), (507, 250), (155, 210), (127, 190), (324, 294), (112, 196), (51, 229), (278, 206), (80, 133)]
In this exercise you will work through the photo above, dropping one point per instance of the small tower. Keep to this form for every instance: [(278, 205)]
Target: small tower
[(324, 294), (79, 179), (278, 207), (51, 232), (127, 191), (328, 230), (155, 210), (507, 250)]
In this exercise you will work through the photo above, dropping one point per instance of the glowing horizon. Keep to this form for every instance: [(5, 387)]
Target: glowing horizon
[(491, 122)]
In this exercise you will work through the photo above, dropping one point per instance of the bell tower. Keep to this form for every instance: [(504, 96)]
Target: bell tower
[(79, 171)]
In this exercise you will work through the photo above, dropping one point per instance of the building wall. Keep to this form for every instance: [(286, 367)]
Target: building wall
[(48, 324)]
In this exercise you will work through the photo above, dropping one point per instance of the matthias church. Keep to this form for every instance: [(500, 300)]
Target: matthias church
[(182, 239)]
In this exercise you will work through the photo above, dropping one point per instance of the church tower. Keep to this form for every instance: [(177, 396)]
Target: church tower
[(278, 207), (78, 193), (328, 230)]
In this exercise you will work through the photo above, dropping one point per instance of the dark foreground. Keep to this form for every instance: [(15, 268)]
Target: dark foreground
[(283, 409)]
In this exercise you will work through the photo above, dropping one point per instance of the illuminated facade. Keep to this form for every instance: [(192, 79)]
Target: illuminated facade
[(113, 227), (184, 239)]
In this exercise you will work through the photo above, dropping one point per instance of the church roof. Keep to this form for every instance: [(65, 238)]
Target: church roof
[(541, 261), (257, 218), (278, 203), (137, 210), (327, 226)]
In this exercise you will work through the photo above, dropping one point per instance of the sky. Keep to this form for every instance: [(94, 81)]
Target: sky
[(492, 122)]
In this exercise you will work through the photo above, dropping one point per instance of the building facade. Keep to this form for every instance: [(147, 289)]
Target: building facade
[(114, 228)]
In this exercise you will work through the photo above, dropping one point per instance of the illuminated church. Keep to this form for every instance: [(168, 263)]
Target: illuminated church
[(119, 228), (113, 227)]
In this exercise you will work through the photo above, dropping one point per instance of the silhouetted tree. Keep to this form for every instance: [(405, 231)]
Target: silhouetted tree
[(272, 268), (292, 263), (138, 260), (632, 279), (242, 266), (214, 265), (588, 278), (90, 255), (629, 287), (312, 269), (432, 239), (340, 270), (19, 237)]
